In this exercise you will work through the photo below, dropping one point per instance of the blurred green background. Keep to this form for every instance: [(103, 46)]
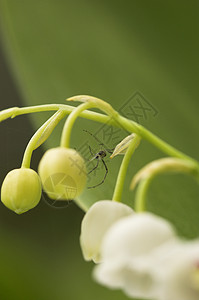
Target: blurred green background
[(114, 50)]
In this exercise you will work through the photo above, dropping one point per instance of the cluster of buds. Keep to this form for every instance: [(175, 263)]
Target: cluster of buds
[(61, 174)]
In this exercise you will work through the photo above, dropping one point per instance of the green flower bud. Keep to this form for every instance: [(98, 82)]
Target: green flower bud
[(21, 190), (63, 173)]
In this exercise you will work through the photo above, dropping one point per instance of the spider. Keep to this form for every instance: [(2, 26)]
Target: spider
[(99, 156)]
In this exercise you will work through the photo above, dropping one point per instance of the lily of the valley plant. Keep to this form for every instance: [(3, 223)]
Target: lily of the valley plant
[(133, 250)]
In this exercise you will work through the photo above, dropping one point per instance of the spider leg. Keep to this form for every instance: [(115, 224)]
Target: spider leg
[(91, 187), (92, 136), (99, 142), (91, 152), (105, 166), (94, 168), (110, 150)]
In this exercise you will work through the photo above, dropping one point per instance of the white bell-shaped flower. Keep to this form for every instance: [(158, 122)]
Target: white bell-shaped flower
[(96, 222), (176, 271), (126, 250)]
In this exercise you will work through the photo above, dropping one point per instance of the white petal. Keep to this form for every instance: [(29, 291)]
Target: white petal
[(174, 270), (95, 224), (134, 278), (126, 253), (135, 235)]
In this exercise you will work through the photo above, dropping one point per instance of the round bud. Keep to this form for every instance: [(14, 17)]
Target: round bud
[(63, 173), (21, 190)]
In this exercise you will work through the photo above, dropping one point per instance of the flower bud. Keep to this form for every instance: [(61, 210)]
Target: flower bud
[(21, 190), (63, 173), (97, 221)]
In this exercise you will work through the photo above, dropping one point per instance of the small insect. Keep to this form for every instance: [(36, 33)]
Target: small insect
[(99, 157)]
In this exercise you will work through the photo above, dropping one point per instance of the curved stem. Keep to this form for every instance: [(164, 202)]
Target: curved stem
[(113, 119), (162, 145), (40, 136), (132, 126), (153, 139), (123, 169), (140, 198), (97, 103), (150, 171), (38, 108), (90, 115), (66, 133)]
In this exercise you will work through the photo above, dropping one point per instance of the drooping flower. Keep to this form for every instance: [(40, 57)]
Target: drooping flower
[(99, 218), (126, 250)]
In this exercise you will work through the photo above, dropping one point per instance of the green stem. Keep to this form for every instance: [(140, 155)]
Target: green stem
[(115, 120), (39, 108), (140, 198), (153, 139), (150, 171), (90, 115), (66, 133), (123, 169), (163, 146), (41, 135)]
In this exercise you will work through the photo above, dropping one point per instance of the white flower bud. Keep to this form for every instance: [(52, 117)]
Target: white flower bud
[(96, 223)]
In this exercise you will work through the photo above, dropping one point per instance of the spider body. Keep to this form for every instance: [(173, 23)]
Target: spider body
[(99, 156)]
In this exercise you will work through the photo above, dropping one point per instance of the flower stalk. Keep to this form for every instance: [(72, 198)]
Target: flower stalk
[(144, 177), (66, 133), (123, 168), (41, 136)]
